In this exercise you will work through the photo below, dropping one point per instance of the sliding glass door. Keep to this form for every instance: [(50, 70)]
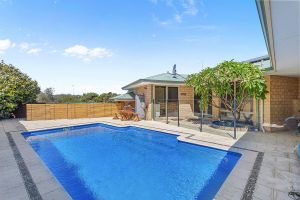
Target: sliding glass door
[(165, 102)]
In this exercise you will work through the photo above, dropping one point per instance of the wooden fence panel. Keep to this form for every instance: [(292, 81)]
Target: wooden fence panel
[(49, 111), (71, 111), (99, 110), (60, 111), (81, 111), (38, 112)]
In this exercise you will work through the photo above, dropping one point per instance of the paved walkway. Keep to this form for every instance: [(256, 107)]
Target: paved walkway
[(268, 168)]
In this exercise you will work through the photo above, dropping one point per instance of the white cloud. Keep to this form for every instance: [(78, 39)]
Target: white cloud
[(30, 48), (24, 45), (178, 18), (190, 8), (181, 9), (5, 44), (34, 51), (86, 54)]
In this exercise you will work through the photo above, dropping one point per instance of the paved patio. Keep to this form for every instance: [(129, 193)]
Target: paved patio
[(268, 169)]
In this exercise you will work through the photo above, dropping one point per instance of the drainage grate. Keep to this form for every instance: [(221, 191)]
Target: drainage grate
[(250, 186)]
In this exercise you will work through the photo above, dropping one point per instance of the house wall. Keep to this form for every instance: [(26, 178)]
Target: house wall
[(283, 99), (215, 110), (146, 91), (186, 101)]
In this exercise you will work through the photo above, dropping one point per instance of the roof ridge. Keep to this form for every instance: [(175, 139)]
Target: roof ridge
[(156, 75)]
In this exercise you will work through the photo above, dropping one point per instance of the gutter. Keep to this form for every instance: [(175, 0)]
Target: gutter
[(131, 85), (265, 16)]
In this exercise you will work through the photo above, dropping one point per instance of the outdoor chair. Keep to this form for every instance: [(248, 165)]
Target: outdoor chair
[(127, 114)]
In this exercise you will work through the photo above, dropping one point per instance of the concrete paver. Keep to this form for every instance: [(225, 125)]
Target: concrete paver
[(279, 172)]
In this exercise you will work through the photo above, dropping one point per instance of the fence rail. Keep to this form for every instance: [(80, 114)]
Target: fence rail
[(70, 111)]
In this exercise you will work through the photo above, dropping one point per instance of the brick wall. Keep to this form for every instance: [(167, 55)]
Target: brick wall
[(147, 92), (186, 101), (215, 110), (282, 100)]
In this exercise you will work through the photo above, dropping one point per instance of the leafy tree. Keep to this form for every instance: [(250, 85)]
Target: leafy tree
[(16, 88), (105, 97), (67, 98), (219, 81), (50, 94), (47, 96), (89, 97)]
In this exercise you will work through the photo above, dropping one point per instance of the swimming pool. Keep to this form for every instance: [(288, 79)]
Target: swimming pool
[(100, 161)]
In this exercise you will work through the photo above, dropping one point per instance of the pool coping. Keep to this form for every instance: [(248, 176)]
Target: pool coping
[(242, 173), (30, 186), (38, 180)]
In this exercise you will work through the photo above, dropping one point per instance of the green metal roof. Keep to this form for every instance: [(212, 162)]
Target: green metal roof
[(168, 77), (159, 78), (124, 97)]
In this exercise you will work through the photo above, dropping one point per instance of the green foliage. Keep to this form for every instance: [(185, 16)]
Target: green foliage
[(219, 82), (89, 97), (67, 98), (46, 96), (105, 97), (16, 88)]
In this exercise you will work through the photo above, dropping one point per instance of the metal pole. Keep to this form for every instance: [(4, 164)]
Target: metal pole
[(201, 111), (257, 114), (152, 102), (178, 112), (234, 111), (167, 90)]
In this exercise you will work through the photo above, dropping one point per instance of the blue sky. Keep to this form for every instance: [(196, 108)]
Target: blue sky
[(100, 46)]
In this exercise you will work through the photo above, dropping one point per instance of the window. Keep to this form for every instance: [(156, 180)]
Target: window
[(173, 94)]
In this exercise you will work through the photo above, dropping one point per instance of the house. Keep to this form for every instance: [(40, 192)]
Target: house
[(280, 24), (159, 96), (281, 66), (152, 95)]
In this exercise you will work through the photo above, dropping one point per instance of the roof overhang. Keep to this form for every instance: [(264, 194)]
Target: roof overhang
[(280, 22), (123, 100), (143, 82), (124, 97)]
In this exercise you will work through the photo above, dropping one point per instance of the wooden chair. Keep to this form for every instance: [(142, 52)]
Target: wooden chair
[(127, 114)]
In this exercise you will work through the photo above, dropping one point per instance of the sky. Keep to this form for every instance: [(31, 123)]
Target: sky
[(101, 45)]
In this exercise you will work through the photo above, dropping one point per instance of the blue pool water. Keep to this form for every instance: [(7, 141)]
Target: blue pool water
[(100, 161)]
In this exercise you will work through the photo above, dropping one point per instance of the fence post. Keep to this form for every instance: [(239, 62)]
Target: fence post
[(166, 102), (234, 111), (178, 113), (201, 111)]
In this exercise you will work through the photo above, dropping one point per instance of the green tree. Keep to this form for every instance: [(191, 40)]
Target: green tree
[(105, 97), (67, 98), (219, 81), (16, 88), (89, 97), (47, 96)]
